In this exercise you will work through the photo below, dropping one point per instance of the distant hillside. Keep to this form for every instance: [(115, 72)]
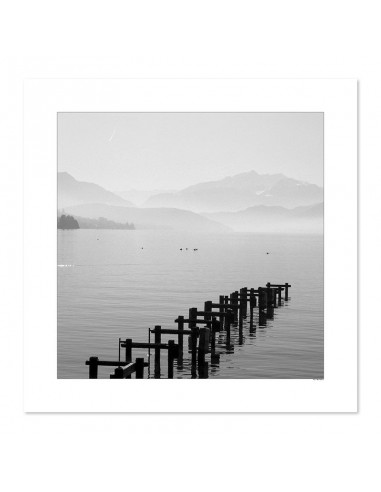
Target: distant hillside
[(139, 197), (241, 191), (72, 192), (262, 218), (149, 218)]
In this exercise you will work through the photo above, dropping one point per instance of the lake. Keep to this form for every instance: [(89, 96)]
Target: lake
[(120, 283)]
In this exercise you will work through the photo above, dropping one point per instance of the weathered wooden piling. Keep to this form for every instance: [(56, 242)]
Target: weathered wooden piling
[(203, 370), (213, 335), (226, 302), (253, 299), (269, 303), (180, 324), (203, 345), (231, 312), (93, 367), (171, 358), (243, 299), (229, 320), (238, 305), (128, 350), (262, 318), (139, 368), (252, 302), (221, 302), (193, 337), (207, 310), (157, 351), (261, 299)]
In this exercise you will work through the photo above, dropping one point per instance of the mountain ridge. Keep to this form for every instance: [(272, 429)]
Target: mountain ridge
[(234, 193), (146, 218), (272, 219), (73, 192)]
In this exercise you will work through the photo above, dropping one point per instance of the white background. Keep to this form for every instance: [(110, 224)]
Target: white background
[(198, 39), (44, 98)]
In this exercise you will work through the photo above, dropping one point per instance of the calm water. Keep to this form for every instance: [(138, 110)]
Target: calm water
[(109, 287)]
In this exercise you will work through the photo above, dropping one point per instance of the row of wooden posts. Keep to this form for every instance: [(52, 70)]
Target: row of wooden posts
[(215, 317)]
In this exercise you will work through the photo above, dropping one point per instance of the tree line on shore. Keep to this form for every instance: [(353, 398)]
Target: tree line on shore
[(69, 222)]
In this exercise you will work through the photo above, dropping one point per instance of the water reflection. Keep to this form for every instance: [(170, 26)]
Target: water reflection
[(222, 345), (100, 300)]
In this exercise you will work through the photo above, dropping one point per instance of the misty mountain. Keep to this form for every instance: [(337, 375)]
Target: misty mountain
[(241, 191), (73, 192), (149, 218), (275, 219), (138, 197)]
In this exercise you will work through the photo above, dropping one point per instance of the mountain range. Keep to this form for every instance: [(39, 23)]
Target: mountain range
[(73, 192), (239, 192), (308, 219), (244, 202), (149, 218)]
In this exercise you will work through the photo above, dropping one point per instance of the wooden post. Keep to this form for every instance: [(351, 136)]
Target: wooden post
[(254, 298), (279, 295), (128, 353), (244, 299), (139, 368), (171, 357), (192, 317), (203, 345), (286, 292), (221, 302), (226, 306), (207, 309), (238, 310), (269, 296), (93, 368), (118, 373), (252, 302), (261, 299), (274, 297), (181, 340), (228, 321), (213, 336), (203, 370), (262, 318), (157, 351), (269, 302), (128, 350), (193, 337)]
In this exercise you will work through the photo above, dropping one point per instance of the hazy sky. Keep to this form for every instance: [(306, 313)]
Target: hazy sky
[(120, 151)]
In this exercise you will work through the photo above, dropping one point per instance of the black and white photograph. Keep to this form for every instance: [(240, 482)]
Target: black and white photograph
[(190, 245)]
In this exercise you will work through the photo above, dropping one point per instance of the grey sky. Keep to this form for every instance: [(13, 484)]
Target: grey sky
[(120, 151)]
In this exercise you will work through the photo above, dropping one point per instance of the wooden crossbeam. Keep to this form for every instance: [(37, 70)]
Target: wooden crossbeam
[(163, 346)]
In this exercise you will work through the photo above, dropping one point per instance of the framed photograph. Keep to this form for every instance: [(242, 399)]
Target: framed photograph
[(190, 229)]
